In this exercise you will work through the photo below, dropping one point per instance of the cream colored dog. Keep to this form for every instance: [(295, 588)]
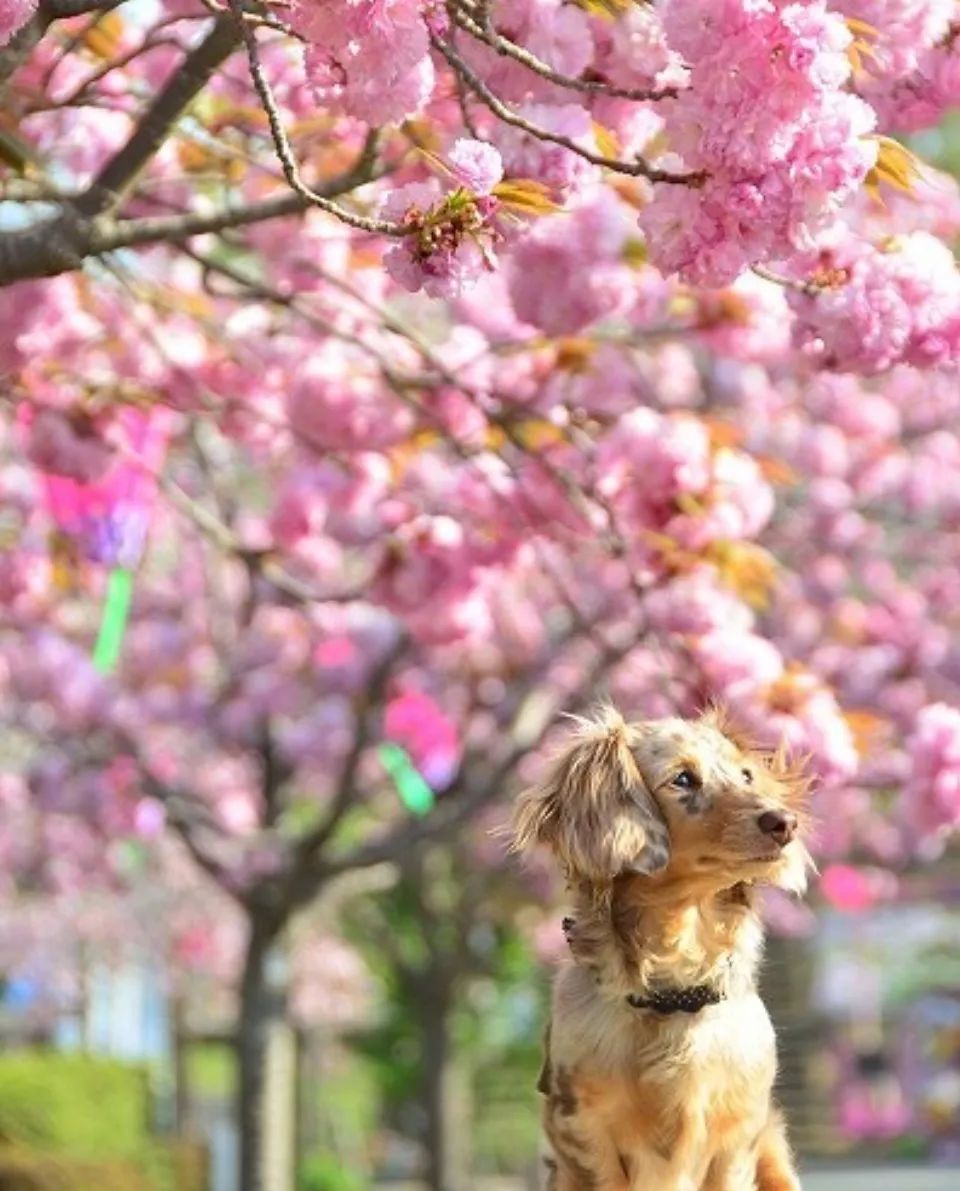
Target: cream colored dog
[(660, 1055)]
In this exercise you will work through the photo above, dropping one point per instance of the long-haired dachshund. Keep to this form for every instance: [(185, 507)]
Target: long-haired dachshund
[(660, 1056)]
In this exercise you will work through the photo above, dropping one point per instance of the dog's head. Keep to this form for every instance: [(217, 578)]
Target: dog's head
[(688, 799)]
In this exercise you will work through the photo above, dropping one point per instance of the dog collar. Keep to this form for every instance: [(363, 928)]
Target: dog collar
[(678, 1000)]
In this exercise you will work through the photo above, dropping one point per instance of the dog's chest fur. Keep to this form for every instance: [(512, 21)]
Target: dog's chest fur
[(660, 1092)]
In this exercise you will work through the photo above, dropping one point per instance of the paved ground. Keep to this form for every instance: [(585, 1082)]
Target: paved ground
[(907, 1178), (888, 1179)]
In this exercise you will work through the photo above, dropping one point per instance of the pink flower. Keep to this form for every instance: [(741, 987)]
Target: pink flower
[(737, 664), (902, 30), (13, 15), (560, 169), (367, 58), (669, 488), (696, 604), (417, 722), (475, 165), (567, 272), (451, 233), (332, 405), (766, 120), (880, 307), (649, 460), (67, 444), (856, 889), (748, 321), (931, 800), (632, 51)]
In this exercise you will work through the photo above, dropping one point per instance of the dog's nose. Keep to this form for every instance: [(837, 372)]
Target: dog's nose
[(779, 825)]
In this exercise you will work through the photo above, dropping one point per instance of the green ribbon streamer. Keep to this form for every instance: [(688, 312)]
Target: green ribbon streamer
[(106, 652), (414, 792)]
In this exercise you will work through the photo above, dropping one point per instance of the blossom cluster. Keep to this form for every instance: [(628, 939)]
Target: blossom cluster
[(880, 306), (911, 67), (13, 15), (768, 125), (367, 58), (449, 229), (417, 485), (932, 796)]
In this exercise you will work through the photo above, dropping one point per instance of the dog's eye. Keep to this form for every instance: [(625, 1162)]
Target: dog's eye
[(747, 776), (686, 779)]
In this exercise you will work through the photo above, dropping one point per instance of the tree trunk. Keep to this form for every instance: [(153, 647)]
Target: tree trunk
[(264, 1119), (444, 1098)]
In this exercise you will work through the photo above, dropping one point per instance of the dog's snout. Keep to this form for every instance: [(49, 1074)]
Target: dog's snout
[(781, 826)]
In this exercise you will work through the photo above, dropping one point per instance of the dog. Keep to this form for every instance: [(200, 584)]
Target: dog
[(660, 1057)]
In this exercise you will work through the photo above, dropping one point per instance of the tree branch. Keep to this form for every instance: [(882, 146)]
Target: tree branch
[(174, 229), (275, 773), (485, 32), (18, 49), (103, 236), (634, 169), (291, 171), (110, 186), (371, 702), (453, 811), (60, 244)]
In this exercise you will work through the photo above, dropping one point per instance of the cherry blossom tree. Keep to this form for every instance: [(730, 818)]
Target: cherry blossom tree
[(386, 378)]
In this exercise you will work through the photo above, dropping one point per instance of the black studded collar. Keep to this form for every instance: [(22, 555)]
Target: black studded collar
[(678, 1000), (672, 1000)]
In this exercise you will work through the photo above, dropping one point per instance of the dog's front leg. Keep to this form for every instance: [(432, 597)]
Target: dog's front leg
[(659, 1167), (578, 1170), (582, 1157), (776, 1170), (734, 1170)]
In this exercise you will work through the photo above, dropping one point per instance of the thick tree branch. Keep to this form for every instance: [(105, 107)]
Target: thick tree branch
[(48, 248), (108, 189), (174, 229), (275, 773), (19, 48), (60, 244)]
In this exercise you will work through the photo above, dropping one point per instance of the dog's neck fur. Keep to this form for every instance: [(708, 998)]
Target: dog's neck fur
[(641, 935)]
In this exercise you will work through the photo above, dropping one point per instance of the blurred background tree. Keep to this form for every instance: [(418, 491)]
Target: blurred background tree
[(383, 381)]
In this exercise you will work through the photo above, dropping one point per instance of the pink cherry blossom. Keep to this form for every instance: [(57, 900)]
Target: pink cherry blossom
[(899, 303), (856, 889), (567, 272), (451, 234), (932, 796), (418, 723), (367, 58), (13, 15), (766, 119)]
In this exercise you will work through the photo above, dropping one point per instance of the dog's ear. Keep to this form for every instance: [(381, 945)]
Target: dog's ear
[(594, 810)]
